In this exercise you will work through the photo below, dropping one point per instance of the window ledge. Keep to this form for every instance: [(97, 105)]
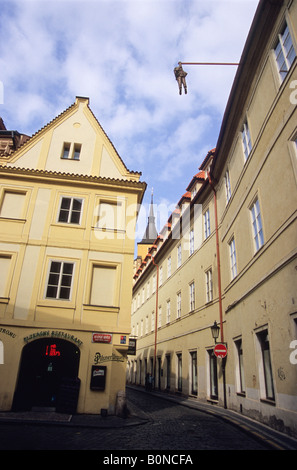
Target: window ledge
[(267, 401)]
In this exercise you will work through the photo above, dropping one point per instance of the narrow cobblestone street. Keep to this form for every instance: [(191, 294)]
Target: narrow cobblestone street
[(165, 426)]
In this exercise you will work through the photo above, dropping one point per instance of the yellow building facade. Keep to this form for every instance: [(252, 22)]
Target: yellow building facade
[(228, 254), (68, 208)]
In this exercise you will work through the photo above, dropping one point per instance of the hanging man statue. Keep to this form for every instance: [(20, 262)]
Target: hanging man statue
[(180, 76)]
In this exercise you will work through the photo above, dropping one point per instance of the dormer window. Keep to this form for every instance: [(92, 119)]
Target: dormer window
[(71, 151)]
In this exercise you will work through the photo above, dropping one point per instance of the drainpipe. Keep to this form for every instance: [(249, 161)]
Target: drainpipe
[(156, 318), (219, 284)]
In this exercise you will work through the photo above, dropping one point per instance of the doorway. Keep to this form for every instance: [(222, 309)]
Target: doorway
[(45, 366)]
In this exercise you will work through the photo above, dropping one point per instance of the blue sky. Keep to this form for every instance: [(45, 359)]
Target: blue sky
[(121, 54)]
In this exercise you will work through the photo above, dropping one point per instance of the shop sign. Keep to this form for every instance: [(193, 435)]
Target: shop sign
[(99, 358), (53, 334), (101, 338), (7, 332), (132, 347)]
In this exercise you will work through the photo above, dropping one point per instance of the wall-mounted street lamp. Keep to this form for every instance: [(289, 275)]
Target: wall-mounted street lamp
[(215, 331)]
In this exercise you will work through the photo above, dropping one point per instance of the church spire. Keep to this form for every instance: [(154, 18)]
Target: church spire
[(150, 233)]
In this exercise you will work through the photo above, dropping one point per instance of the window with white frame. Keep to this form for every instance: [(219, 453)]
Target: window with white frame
[(169, 266), (178, 305), (246, 140), (160, 316), (59, 281), (193, 374), (257, 225), (239, 367), (160, 275), (154, 283), (70, 210), (266, 378), (191, 242), (206, 224), (168, 311), (146, 325), (209, 292), (179, 255), (233, 262), (192, 296), (153, 321), (148, 289), (227, 186), (284, 52)]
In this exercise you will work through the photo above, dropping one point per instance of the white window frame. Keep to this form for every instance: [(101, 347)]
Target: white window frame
[(233, 258), (206, 218), (227, 186), (191, 242), (168, 311), (59, 285), (257, 226), (282, 52), (192, 295), (178, 305), (209, 285), (179, 255), (70, 210), (246, 140)]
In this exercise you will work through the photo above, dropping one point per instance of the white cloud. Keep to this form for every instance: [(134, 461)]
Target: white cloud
[(121, 54)]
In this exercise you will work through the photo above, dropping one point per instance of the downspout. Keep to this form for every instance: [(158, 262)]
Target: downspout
[(219, 285), (156, 317)]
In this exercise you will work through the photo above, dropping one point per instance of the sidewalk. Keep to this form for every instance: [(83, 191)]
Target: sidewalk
[(274, 439)]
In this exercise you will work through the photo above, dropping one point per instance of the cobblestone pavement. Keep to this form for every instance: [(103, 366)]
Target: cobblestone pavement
[(166, 426)]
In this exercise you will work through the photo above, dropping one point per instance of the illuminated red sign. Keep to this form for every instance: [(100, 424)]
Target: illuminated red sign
[(101, 338), (51, 350)]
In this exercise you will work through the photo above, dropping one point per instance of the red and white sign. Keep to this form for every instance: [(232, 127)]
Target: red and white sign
[(220, 350), (101, 338)]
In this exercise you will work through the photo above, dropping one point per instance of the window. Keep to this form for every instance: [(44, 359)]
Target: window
[(213, 375), (179, 255), (159, 316), (266, 369), (209, 293), (5, 262), (239, 368), (153, 321), (110, 216), (257, 225), (169, 267), (71, 151), (168, 367), (194, 382), (178, 305), (154, 283), (227, 186), (70, 210), (148, 289), (179, 372), (160, 276), (206, 224), (103, 286), (12, 205), (246, 140), (191, 242), (192, 296), (233, 263), (60, 280), (168, 311), (284, 53)]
